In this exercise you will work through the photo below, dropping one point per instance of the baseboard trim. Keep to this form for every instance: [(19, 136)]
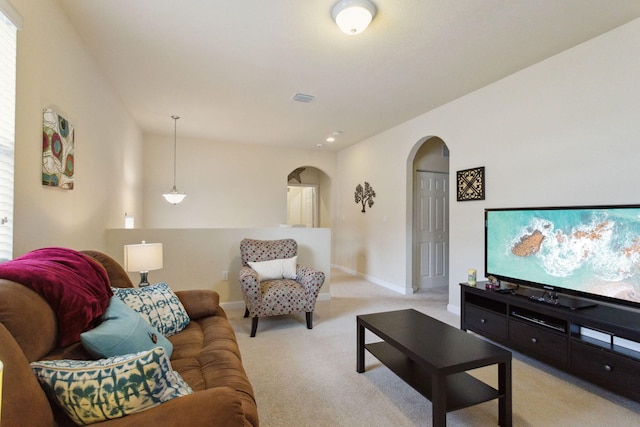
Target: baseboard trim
[(232, 305), (399, 289), (453, 309)]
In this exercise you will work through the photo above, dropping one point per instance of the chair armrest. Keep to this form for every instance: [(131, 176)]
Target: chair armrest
[(218, 406), (310, 278), (199, 303), (250, 285)]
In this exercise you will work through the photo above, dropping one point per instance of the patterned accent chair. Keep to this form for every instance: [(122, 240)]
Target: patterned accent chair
[(277, 296)]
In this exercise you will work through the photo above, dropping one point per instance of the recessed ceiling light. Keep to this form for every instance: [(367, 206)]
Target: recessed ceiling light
[(333, 136)]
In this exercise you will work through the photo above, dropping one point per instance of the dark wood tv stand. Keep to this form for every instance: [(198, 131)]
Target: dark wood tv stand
[(600, 344)]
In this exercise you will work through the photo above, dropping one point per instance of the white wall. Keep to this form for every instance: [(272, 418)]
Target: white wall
[(196, 258), (56, 70), (562, 132), (372, 243), (227, 184)]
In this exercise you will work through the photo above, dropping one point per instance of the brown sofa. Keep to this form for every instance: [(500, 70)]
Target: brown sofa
[(205, 354)]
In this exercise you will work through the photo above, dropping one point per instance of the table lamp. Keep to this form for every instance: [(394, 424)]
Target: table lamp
[(143, 258)]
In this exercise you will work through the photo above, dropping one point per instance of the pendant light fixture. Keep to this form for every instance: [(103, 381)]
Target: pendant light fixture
[(353, 16), (174, 197)]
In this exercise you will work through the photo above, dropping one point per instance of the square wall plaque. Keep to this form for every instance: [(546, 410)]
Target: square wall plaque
[(470, 184)]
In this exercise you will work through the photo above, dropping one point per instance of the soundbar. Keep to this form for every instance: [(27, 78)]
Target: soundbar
[(537, 321)]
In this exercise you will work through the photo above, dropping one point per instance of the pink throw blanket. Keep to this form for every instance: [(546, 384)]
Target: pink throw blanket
[(76, 287)]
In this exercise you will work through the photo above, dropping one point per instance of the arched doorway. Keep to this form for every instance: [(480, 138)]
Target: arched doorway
[(429, 233), (308, 195)]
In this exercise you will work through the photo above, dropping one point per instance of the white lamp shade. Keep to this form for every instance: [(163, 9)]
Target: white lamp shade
[(143, 257), (353, 16), (174, 197)]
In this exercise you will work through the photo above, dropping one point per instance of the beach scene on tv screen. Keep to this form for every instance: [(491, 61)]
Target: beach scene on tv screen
[(588, 250)]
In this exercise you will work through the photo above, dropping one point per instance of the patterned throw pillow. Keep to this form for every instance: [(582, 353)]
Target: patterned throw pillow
[(90, 391), (158, 304)]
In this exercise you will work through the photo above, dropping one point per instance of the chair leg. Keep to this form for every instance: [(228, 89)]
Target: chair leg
[(309, 319), (254, 326), (246, 312)]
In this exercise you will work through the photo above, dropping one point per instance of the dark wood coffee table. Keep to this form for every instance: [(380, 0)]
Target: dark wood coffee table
[(432, 357)]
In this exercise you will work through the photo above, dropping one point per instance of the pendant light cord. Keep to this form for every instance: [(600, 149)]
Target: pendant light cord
[(173, 196), (175, 137)]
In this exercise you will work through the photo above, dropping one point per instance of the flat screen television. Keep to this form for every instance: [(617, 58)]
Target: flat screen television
[(586, 251)]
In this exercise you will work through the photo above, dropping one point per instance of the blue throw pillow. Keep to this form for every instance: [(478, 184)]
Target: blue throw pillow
[(123, 331)]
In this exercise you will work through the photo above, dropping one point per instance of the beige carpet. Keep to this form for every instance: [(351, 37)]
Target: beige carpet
[(308, 377)]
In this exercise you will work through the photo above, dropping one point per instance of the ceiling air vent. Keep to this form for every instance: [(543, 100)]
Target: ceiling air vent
[(303, 97)]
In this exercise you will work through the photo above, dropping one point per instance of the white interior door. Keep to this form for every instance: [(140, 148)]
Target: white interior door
[(302, 205), (308, 208), (432, 229)]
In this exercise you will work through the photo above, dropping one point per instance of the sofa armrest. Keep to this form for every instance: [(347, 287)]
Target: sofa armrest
[(199, 303), (219, 406)]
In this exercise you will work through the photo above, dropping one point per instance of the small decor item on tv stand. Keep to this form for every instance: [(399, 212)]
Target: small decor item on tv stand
[(471, 277), (493, 284)]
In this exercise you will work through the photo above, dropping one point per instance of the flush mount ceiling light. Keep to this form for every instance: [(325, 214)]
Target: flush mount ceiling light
[(174, 197), (353, 16)]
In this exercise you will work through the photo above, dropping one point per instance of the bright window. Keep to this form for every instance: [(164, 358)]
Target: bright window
[(9, 24)]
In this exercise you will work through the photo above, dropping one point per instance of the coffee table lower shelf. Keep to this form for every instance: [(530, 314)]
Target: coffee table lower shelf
[(463, 390)]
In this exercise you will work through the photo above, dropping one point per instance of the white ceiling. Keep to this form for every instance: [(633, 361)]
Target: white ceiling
[(230, 67)]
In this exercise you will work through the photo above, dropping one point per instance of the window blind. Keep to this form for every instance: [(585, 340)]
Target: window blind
[(8, 36)]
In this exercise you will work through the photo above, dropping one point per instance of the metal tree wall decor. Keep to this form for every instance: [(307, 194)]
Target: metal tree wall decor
[(365, 195)]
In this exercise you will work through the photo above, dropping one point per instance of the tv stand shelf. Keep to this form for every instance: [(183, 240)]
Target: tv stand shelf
[(599, 343)]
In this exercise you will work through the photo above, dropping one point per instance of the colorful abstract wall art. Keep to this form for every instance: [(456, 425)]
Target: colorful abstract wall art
[(58, 145)]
